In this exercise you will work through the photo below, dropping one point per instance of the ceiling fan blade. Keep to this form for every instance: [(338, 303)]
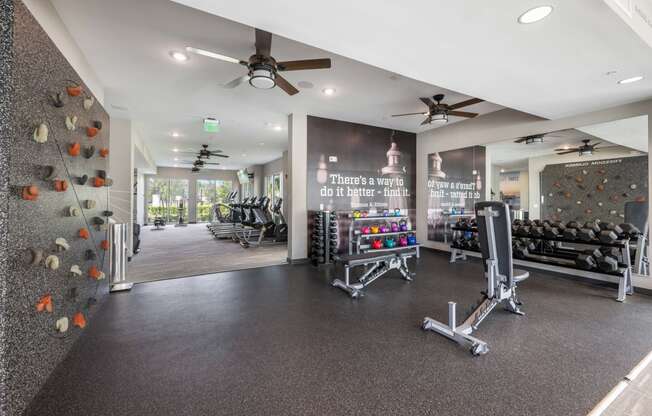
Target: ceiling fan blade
[(595, 144), (285, 85), (521, 140), (568, 152), (209, 163), (215, 55), (236, 82), (408, 114), (263, 42), (465, 103), (215, 151), (220, 155), (426, 121), (575, 149), (301, 65), (462, 114), (427, 101)]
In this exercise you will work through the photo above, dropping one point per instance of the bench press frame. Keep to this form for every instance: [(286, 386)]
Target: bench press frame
[(377, 266)]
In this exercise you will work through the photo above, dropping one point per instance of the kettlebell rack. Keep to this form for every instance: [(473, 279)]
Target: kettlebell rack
[(359, 242), (325, 237)]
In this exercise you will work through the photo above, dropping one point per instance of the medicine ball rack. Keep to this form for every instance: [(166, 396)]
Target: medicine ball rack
[(357, 244), (624, 272)]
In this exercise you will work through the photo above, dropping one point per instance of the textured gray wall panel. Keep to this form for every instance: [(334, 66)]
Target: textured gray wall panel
[(33, 344)]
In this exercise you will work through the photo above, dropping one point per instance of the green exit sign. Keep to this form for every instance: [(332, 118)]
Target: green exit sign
[(211, 125)]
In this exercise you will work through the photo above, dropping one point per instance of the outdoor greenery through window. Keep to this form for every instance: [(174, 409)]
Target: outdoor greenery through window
[(209, 193), (274, 187), (165, 197)]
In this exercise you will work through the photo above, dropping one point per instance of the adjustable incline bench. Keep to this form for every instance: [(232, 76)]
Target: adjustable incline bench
[(495, 232), (377, 265)]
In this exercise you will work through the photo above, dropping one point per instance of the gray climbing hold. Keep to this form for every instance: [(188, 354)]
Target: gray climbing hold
[(62, 244), (52, 262), (36, 256), (73, 212), (90, 204)]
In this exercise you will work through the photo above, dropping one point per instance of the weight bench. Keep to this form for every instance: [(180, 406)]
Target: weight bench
[(377, 265)]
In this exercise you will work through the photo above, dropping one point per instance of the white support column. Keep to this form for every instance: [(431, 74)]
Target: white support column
[(121, 170), (298, 191)]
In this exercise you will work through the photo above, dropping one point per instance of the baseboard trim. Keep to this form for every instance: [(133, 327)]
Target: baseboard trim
[(298, 261)]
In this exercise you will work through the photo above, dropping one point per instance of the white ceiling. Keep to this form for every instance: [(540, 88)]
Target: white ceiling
[(128, 44), (630, 132), (553, 68), (613, 135)]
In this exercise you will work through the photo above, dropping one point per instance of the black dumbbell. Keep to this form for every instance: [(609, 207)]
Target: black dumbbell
[(573, 224), (570, 233), (585, 262), (517, 223), (537, 232), (586, 234), (550, 232), (559, 226), (523, 231), (592, 225), (608, 237), (610, 252), (521, 252), (630, 230), (607, 264)]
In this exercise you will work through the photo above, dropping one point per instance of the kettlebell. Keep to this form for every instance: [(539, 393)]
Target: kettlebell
[(365, 214), (384, 229), (356, 214), (402, 241), (403, 226), (365, 230), (376, 244), (385, 213), (390, 243), (397, 212), (412, 240), (374, 229), (395, 227)]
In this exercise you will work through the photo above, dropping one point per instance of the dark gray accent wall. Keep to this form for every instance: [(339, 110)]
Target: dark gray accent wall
[(6, 62), (32, 347)]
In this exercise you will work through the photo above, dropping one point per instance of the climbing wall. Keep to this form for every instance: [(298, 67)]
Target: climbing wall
[(58, 211), (597, 189)]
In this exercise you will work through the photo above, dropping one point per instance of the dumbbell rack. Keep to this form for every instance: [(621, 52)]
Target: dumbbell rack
[(625, 269), (325, 237), (358, 242)]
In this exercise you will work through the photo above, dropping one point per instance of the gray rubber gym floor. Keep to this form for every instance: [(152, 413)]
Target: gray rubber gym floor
[(281, 341)]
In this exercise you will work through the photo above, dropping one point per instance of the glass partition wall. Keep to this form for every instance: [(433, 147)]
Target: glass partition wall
[(209, 193), (167, 198)]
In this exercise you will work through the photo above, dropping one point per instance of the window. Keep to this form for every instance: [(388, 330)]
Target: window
[(274, 187), (209, 193), (166, 198), (247, 189)]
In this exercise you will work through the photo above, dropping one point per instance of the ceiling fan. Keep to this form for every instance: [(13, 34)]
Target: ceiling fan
[(539, 138), (204, 153), (583, 150), (263, 69), (439, 112)]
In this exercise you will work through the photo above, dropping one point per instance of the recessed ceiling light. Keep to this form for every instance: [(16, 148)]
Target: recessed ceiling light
[(176, 166), (175, 134), (535, 14), (631, 80), (328, 91), (175, 150), (566, 147), (244, 155), (176, 159), (502, 170), (179, 56), (278, 128)]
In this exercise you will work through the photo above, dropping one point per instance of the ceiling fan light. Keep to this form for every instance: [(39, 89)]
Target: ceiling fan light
[(262, 77), (441, 118), (586, 152)]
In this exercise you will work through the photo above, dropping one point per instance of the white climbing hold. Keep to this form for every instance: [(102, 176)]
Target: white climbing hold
[(71, 123), (75, 270), (52, 262), (41, 133), (62, 324), (62, 244), (88, 102), (73, 212)]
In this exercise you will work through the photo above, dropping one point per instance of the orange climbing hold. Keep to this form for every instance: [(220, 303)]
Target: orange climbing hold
[(45, 304), (104, 245), (92, 131), (60, 185), (30, 193), (79, 320), (74, 149), (74, 91), (98, 182), (83, 233), (104, 152), (94, 273)]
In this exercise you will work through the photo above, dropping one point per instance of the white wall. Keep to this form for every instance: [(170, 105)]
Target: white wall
[(121, 170), (49, 19), (297, 217)]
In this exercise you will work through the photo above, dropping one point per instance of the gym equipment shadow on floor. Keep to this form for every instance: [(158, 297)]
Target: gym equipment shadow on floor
[(281, 340), (192, 250)]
